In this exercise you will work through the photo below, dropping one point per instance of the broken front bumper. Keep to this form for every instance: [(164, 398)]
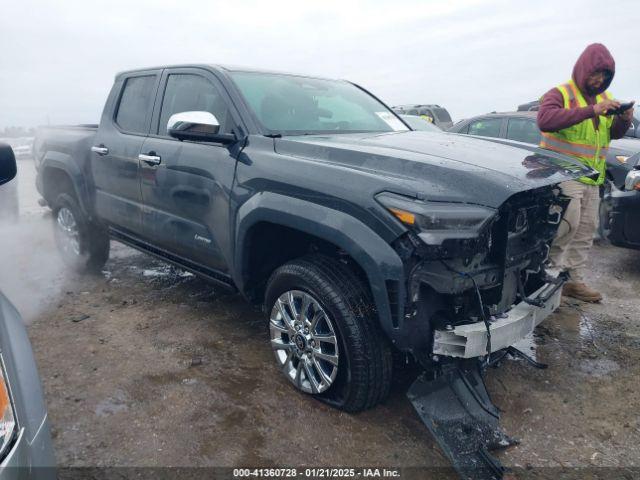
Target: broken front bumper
[(469, 341)]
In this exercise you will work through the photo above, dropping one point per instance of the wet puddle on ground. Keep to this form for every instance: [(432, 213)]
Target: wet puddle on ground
[(573, 325), (600, 367), (162, 271), (570, 325)]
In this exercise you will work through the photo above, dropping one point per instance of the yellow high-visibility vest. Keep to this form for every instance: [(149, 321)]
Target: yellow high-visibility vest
[(582, 140)]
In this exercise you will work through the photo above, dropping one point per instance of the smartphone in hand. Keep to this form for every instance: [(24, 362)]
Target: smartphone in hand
[(621, 109)]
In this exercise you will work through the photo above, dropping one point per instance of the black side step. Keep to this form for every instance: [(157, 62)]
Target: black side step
[(456, 408)]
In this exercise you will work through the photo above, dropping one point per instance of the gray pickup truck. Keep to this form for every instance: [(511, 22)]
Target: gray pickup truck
[(310, 196)]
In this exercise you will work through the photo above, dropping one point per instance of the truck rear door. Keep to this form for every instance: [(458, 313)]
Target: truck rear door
[(114, 159), (186, 185)]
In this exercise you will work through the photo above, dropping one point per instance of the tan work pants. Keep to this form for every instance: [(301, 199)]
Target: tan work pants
[(570, 249)]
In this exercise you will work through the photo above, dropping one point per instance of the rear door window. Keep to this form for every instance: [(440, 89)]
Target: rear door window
[(486, 127), (523, 130), (135, 104)]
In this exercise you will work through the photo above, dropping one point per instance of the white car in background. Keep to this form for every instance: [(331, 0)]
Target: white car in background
[(23, 152)]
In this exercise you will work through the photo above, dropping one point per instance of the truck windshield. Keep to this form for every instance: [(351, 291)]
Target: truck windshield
[(294, 105)]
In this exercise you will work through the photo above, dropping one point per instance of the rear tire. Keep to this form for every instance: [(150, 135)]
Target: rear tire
[(84, 246), (362, 353)]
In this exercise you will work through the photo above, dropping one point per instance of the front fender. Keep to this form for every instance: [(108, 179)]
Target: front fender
[(379, 261)]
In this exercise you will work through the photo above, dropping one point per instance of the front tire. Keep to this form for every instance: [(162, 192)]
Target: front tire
[(325, 333), (84, 246)]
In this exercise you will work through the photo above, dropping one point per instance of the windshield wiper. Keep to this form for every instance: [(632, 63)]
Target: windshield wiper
[(273, 135)]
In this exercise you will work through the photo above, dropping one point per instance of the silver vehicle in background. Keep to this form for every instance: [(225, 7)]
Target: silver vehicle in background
[(25, 440), (420, 124), (433, 113)]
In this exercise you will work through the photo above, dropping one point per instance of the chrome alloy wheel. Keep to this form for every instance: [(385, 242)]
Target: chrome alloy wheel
[(304, 341), (68, 233)]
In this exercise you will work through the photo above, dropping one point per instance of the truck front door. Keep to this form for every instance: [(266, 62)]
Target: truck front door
[(114, 154), (186, 185)]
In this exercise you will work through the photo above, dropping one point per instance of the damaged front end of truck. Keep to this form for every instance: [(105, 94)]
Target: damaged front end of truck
[(476, 285)]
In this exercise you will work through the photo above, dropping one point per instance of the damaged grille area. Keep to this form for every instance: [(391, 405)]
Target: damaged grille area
[(508, 256)]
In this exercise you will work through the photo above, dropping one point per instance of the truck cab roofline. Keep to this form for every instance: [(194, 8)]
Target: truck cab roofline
[(219, 68)]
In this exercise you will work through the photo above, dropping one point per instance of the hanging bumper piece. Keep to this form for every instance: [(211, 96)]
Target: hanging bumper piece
[(458, 412)]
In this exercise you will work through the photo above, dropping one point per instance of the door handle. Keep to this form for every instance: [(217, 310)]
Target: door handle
[(150, 159), (100, 149)]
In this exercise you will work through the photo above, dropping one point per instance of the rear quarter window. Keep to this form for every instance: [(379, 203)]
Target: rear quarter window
[(523, 130), (134, 108), (463, 129)]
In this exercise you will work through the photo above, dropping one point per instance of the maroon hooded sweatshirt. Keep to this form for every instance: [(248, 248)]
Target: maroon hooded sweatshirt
[(552, 116)]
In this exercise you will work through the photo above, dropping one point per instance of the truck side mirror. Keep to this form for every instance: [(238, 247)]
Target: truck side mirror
[(197, 126), (8, 168)]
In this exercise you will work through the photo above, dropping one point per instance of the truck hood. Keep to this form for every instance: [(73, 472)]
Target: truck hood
[(438, 166)]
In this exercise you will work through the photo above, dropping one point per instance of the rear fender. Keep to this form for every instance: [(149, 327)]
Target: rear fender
[(66, 164)]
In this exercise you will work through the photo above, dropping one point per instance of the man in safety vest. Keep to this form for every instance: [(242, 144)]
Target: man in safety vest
[(573, 120)]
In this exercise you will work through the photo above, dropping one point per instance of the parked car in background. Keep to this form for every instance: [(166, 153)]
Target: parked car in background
[(634, 130), (22, 146), (420, 124), (434, 113), (529, 106), (23, 152), (620, 206), (25, 440)]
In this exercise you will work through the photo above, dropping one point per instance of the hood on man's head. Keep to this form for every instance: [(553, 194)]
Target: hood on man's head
[(595, 57)]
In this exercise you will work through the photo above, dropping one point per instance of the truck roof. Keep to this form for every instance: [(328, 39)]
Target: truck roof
[(218, 67)]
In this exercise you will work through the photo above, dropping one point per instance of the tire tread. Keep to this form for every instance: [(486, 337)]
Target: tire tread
[(371, 366)]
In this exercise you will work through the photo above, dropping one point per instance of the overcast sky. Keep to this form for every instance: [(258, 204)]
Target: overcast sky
[(59, 58)]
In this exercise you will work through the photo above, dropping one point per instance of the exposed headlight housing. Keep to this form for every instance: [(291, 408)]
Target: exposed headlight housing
[(632, 182), (435, 222), (7, 416)]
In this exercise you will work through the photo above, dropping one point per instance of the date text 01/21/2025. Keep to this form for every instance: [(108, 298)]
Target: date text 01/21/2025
[(316, 473)]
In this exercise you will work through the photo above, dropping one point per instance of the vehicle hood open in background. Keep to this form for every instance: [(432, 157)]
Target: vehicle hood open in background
[(449, 167)]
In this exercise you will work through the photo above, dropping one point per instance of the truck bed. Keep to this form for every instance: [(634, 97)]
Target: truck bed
[(66, 144), (68, 139)]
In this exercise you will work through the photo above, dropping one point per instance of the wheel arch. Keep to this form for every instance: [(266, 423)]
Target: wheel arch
[(58, 174), (381, 265)]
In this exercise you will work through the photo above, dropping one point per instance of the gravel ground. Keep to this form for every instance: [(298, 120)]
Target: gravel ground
[(147, 365)]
